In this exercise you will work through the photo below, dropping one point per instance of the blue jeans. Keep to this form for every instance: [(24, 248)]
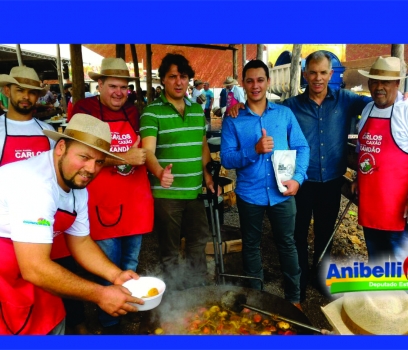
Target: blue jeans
[(282, 219), (59, 329), (75, 309), (386, 245), (124, 253)]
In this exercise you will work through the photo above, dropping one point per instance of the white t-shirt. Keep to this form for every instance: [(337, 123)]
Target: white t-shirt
[(30, 197), (29, 127), (399, 121), (194, 96)]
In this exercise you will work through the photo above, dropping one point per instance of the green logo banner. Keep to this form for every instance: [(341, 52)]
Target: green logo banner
[(344, 287)]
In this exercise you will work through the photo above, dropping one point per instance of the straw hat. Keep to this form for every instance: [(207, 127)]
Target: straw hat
[(217, 111), (201, 99), (88, 130), (23, 76), (369, 313), (230, 81), (112, 67), (384, 69)]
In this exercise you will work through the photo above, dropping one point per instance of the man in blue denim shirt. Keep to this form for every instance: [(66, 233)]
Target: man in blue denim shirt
[(247, 144), (324, 116)]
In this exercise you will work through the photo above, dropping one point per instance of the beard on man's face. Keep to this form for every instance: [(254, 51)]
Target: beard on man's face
[(70, 182), (22, 110)]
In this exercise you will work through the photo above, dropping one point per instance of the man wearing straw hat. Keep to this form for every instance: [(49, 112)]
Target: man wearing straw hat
[(197, 91), (382, 175), (234, 93), (120, 200), (50, 193), (21, 135)]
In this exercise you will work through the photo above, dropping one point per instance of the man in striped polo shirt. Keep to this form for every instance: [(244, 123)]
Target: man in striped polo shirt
[(173, 134)]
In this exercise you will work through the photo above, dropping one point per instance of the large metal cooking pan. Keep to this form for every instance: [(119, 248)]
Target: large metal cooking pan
[(175, 304)]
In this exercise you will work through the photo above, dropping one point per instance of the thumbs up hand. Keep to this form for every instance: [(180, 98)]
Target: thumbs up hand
[(264, 144), (135, 155), (166, 178)]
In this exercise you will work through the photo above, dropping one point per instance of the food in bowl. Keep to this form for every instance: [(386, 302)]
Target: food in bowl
[(150, 289), (151, 293)]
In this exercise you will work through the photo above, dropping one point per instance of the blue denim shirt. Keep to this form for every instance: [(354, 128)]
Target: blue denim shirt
[(326, 128), (256, 182)]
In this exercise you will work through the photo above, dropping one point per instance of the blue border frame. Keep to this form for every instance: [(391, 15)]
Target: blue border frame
[(210, 21), (204, 342)]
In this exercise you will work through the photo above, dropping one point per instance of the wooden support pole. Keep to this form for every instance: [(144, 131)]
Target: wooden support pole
[(259, 51), (235, 64), (77, 68), (149, 73), (19, 55), (243, 55), (120, 51), (294, 70), (397, 50), (136, 65), (61, 84)]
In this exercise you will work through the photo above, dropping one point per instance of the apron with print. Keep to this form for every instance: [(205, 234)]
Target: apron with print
[(382, 177), (115, 200), (24, 307), (19, 147), (231, 101), (63, 220)]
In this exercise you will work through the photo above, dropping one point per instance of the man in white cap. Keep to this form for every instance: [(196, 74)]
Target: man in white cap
[(50, 199), (383, 164), (120, 200), (235, 94)]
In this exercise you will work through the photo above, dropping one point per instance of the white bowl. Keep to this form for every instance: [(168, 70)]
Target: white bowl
[(140, 287)]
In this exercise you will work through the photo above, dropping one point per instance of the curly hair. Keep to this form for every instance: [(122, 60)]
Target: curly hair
[(180, 61)]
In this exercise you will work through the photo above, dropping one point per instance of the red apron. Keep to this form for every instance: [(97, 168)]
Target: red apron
[(18, 147), (24, 307), (63, 220), (382, 177), (231, 101), (120, 201)]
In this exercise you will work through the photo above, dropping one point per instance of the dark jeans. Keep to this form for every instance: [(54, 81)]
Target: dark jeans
[(282, 219), (174, 219), (124, 253), (207, 113), (74, 309), (385, 246), (322, 200)]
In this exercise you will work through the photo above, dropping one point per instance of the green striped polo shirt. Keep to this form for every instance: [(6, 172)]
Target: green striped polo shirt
[(179, 142)]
